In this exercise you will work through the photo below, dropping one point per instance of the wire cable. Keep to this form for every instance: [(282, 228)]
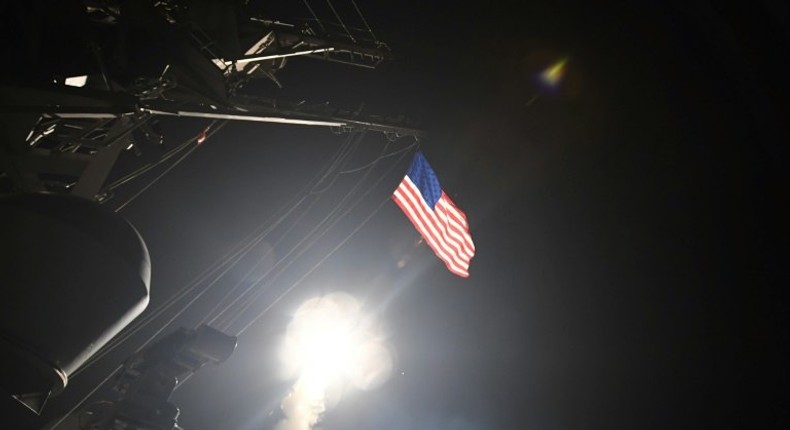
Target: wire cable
[(278, 264), (171, 167), (170, 321), (340, 20), (365, 166), (214, 320), (141, 171), (149, 318), (312, 269), (230, 259), (243, 247), (352, 207), (352, 147), (314, 15), (85, 398), (267, 308), (334, 164), (326, 219), (310, 238), (370, 30)]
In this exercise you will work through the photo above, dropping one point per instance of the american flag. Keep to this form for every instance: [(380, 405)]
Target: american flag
[(436, 217)]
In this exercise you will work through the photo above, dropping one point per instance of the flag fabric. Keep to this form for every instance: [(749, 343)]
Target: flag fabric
[(435, 216)]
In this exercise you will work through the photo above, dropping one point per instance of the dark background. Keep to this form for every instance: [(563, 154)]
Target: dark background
[(628, 225)]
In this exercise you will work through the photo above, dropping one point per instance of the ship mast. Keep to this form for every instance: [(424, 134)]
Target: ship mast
[(165, 59), (95, 78)]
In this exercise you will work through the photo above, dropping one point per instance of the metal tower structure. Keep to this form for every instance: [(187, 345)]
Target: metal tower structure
[(70, 109)]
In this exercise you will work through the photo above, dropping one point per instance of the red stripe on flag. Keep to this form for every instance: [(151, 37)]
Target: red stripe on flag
[(415, 219), (444, 229), (459, 235), (457, 221), (437, 227)]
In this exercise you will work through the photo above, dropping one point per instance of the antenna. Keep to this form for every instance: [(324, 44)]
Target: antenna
[(170, 58)]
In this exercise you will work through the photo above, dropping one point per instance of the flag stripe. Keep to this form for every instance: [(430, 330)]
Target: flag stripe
[(454, 233), (460, 233), (464, 238), (435, 216), (458, 215), (407, 208), (439, 253), (438, 228), (417, 213)]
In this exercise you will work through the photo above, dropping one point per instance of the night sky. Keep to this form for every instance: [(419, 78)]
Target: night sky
[(627, 224)]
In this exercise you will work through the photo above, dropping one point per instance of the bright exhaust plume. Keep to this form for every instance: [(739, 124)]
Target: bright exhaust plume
[(329, 345)]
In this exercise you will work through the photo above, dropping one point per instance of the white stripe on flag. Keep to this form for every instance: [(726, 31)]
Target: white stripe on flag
[(432, 221), (440, 229), (436, 218), (458, 220), (409, 210)]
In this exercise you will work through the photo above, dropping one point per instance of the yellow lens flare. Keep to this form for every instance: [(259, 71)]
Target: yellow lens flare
[(552, 75)]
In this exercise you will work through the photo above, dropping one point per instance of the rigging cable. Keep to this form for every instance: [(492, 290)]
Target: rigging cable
[(318, 264), (381, 157), (320, 24), (212, 320), (256, 296), (329, 185), (352, 146), (340, 20), (86, 397), (370, 30), (318, 236), (261, 232), (141, 171), (175, 163), (310, 242), (169, 321), (312, 269), (326, 230), (149, 318), (224, 313), (260, 314), (338, 161)]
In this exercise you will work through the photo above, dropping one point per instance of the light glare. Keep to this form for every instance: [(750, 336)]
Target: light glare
[(554, 73), (77, 81), (330, 343)]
